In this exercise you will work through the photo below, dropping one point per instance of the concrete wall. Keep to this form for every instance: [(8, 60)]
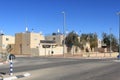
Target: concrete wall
[(48, 51), (34, 51), (26, 43), (18, 43), (35, 39)]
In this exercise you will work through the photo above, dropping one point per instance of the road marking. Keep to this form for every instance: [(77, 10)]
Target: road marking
[(27, 74)]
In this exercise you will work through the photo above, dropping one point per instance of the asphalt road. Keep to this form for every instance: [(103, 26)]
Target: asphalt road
[(66, 69)]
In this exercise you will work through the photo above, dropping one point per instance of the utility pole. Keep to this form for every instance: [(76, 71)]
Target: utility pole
[(119, 34), (63, 33), (110, 41)]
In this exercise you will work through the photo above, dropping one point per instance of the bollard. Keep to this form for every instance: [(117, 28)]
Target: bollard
[(11, 67)]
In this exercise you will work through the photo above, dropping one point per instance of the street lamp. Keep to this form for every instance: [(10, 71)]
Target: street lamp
[(63, 33), (119, 35), (110, 42)]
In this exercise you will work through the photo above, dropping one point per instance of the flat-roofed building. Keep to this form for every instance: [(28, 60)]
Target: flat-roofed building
[(27, 43), (58, 38), (6, 40), (34, 44)]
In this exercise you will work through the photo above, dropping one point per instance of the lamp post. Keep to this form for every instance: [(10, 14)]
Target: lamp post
[(110, 42), (119, 34), (63, 33)]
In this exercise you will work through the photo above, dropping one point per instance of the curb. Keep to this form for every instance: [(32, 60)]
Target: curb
[(16, 77), (116, 60)]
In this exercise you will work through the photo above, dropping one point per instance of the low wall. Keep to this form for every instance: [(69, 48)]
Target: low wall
[(50, 51), (96, 54)]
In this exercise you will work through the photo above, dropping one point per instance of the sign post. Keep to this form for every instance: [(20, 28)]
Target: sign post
[(11, 66)]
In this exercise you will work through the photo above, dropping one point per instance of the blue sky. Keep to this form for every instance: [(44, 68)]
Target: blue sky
[(82, 16)]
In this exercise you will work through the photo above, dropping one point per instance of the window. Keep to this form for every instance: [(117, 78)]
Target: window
[(7, 39), (54, 38), (46, 46), (3, 45), (35, 39)]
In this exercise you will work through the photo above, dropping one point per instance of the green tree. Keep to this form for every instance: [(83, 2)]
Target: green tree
[(71, 39), (90, 38), (93, 39), (110, 41), (113, 42), (106, 39), (84, 38)]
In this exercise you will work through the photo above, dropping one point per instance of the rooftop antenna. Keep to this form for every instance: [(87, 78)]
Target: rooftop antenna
[(26, 29), (58, 30)]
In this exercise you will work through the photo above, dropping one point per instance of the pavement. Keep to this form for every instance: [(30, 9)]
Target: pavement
[(4, 76), (82, 57), (26, 74), (14, 76)]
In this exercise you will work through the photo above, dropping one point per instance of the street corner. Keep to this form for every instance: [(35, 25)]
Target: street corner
[(15, 76)]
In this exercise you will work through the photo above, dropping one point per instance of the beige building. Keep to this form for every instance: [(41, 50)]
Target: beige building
[(6, 40), (58, 38), (99, 43), (26, 43), (34, 44)]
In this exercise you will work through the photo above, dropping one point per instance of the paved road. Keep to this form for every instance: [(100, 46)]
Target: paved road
[(66, 69)]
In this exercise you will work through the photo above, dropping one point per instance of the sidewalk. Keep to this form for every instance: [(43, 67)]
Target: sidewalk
[(14, 76), (85, 56)]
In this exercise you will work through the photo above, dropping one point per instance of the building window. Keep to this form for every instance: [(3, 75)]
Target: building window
[(35, 39), (3, 45), (46, 46), (54, 38), (7, 39)]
